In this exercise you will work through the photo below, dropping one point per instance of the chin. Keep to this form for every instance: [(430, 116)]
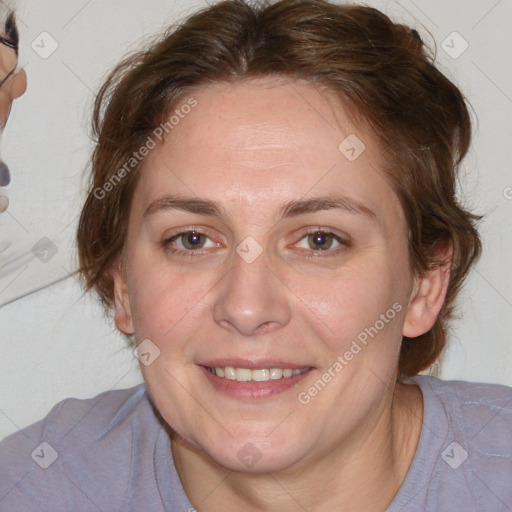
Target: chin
[(254, 453), (250, 459)]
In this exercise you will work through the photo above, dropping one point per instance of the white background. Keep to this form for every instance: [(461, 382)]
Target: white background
[(56, 342)]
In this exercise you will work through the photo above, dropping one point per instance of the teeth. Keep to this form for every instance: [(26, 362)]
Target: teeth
[(229, 372), (243, 374), (259, 375), (276, 373)]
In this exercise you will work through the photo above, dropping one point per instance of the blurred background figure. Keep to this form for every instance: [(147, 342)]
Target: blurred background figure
[(13, 83), (25, 248)]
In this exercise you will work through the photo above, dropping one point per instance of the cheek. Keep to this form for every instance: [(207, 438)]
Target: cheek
[(364, 303), (164, 303)]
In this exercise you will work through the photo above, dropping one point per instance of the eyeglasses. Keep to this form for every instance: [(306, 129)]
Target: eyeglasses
[(9, 43), (13, 45)]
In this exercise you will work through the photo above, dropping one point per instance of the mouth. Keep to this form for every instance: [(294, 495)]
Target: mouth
[(253, 381), (254, 375)]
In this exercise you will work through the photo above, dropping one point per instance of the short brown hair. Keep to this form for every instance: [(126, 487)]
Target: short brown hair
[(380, 68)]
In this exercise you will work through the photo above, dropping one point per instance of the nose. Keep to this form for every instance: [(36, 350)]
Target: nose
[(19, 84), (251, 299), (12, 88)]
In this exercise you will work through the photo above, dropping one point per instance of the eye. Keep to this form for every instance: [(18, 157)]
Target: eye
[(319, 241), (189, 241)]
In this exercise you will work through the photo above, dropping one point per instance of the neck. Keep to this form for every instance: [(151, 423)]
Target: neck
[(376, 456)]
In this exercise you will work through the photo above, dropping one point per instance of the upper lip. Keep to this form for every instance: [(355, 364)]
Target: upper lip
[(253, 364)]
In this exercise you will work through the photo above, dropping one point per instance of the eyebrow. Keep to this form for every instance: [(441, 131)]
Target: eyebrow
[(316, 204), (186, 204), (292, 209)]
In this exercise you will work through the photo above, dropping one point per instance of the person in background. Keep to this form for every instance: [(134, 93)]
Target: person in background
[(16, 249), (13, 83)]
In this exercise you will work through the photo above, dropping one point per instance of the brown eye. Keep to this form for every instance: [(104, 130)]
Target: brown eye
[(192, 240), (320, 241), (191, 243)]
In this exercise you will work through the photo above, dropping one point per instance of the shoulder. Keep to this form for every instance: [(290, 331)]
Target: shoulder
[(85, 418), (473, 426), (484, 410), (78, 439)]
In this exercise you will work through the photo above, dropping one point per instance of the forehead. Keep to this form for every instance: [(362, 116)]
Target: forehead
[(265, 140), (266, 116)]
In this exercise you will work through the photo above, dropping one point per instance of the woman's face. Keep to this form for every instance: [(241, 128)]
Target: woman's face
[(264, 237), (14, 86)]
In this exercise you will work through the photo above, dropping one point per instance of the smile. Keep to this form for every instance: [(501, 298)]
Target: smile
[(256, 375)]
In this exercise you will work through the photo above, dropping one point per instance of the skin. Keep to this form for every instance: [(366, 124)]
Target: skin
[(254, 147), (14, 86)]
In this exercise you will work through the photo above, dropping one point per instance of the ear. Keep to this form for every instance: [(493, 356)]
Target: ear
[(123, 314), (428, 295)]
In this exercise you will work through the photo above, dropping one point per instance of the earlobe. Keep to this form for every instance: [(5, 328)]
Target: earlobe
[(123, 315), (427, 298)]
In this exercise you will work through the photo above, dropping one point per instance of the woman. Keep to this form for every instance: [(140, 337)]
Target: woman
[(272, 217)]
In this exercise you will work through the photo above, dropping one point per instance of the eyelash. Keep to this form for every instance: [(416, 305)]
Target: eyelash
[(344, 243)]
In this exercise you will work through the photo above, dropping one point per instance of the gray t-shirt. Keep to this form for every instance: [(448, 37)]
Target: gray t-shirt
[(112, 452)]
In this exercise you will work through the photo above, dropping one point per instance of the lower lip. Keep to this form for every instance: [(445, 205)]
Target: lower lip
[(253, 390)]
